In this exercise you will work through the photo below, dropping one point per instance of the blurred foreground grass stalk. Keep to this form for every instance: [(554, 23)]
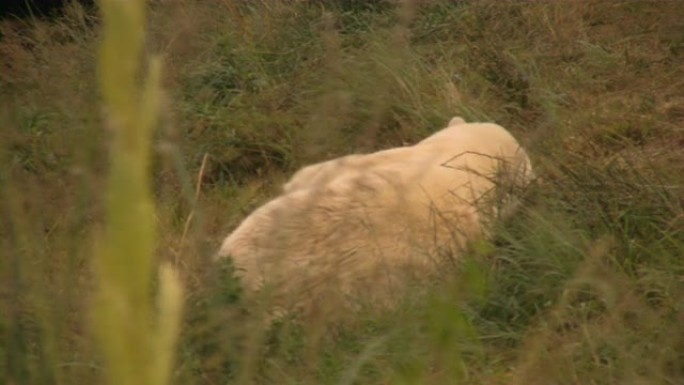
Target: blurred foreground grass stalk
[(137, 343)]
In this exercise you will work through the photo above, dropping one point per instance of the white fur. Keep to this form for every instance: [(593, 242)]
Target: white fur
[(354, 225)]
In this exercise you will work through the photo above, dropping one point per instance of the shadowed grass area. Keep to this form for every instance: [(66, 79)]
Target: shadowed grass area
[(583, 285)]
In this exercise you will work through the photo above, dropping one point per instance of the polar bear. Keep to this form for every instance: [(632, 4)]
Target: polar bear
[(352, 227)]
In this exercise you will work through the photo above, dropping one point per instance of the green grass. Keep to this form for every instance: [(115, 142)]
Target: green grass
[(583, 286)]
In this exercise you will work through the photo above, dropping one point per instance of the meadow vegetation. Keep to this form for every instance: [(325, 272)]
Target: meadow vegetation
[(585, 285)]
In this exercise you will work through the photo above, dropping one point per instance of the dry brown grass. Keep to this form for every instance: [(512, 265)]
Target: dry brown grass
[(593, 88)]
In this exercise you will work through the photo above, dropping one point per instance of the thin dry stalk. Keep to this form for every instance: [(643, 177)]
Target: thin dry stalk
[(198, 189)]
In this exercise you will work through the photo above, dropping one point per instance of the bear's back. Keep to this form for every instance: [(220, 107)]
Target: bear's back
[(343, 223)]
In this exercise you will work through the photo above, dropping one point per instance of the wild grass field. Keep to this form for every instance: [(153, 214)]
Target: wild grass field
[(585, 285)]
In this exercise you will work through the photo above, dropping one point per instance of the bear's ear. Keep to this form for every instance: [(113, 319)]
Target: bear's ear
[(456, 120)]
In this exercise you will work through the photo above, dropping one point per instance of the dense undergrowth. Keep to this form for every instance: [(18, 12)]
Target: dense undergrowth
[(583, 286)]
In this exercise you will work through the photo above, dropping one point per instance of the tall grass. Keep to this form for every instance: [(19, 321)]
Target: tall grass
[(583, 285), (137, 336)]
